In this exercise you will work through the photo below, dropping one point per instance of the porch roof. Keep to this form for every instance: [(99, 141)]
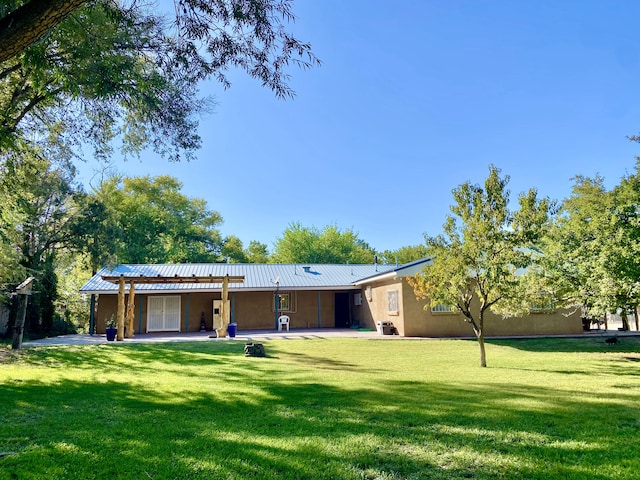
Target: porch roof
[(257, 277)]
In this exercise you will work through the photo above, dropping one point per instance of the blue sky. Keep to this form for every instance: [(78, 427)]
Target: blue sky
[(414, 98)]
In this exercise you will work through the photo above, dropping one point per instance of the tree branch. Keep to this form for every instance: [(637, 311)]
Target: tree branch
[(29, 23)]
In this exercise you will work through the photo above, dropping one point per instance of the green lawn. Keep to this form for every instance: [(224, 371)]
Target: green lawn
[(323, 408)]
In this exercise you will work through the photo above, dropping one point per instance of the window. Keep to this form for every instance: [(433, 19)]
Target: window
[(286, 302), (392, 302), (441, 308), (543, 303), (357, 299)]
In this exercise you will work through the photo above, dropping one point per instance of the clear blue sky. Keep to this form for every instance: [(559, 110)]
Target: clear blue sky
[(414, 98)]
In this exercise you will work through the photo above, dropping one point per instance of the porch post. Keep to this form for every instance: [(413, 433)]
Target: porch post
[(120, 316), (222, 331), (130, 307), (319, 311)]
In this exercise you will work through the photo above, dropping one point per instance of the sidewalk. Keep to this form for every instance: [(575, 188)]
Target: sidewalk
[(263, 335), (244, 336)]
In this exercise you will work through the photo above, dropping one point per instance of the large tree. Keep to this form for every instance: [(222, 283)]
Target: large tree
[(149, 220), (123, 70), (300, 244), (38, 199), (575, 246), (478, 256), (591, 251)]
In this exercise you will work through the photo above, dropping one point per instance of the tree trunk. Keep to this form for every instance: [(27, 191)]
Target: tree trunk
[(479, 329), (483, 355), (637, 313), (625, 321), (120, 317), (29, 23)]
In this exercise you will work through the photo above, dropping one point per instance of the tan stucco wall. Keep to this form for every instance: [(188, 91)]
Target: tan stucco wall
[(415, 321), (254, 311), (375, 310), (250, 310), (194, 303)]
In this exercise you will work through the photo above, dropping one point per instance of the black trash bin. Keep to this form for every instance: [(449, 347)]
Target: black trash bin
[(231, 329)]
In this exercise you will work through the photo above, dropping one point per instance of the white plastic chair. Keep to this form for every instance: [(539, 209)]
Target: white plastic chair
[(283, 320)]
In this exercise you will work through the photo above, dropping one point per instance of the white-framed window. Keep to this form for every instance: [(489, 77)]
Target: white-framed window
[(441, 308), (393, 307), (543, 303)]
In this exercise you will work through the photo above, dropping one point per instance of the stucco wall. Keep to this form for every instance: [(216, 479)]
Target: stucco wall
[(254, 311), (419, 322), (375, 306), (250, 310), (414, 321)]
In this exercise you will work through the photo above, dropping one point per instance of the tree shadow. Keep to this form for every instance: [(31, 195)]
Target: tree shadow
[(283, 427), (629, 344)]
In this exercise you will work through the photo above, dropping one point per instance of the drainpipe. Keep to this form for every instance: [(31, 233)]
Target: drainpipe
[(92, 314)]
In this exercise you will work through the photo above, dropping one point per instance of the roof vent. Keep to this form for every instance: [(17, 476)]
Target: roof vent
[(306, 269)]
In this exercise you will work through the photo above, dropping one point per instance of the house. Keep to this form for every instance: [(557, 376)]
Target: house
[(186, 297)]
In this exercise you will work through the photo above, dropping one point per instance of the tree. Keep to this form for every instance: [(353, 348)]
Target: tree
[(153, 222), (112, 69), (407, 254), (28, 23), (257, 252), (622, 255), (477, 258), (300, 244), (233, 251), (591, 252), (38, 197)]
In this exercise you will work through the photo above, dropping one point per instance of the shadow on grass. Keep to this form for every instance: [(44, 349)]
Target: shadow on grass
[(276, 428), (629, 344)]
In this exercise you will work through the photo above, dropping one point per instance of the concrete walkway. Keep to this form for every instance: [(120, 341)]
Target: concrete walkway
[(263, 335), (244, 336)]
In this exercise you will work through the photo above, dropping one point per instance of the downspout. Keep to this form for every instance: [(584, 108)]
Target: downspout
[(140, 316), (186, 325), (233, 307), (92, 314)]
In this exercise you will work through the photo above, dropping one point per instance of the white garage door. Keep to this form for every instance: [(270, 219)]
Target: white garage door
[(163, 314)]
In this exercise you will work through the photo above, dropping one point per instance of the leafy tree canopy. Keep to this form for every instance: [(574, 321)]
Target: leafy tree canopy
[(407, 254), (483, 245), (300, 244), (150, 221), (122, 70)]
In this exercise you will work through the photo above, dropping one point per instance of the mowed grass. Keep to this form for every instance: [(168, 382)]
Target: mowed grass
[(323, 408)]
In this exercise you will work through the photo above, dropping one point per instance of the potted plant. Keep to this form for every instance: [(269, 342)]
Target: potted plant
[(111, 328)]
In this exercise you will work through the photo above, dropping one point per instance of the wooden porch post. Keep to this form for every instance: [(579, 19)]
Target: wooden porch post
[(130, 310), (222, 331), (120, 317)]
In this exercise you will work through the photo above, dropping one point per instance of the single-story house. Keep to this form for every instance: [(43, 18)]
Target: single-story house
[(311, 295)]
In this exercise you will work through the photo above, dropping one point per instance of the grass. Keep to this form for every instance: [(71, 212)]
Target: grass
[(323, 408)]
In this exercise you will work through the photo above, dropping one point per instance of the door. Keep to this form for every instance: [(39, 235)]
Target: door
[(163, 314), (342, 314)]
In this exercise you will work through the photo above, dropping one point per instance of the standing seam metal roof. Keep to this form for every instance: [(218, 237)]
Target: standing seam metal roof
[(257, 276)]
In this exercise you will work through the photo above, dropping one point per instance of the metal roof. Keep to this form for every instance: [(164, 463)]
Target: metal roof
[(256, 276)]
